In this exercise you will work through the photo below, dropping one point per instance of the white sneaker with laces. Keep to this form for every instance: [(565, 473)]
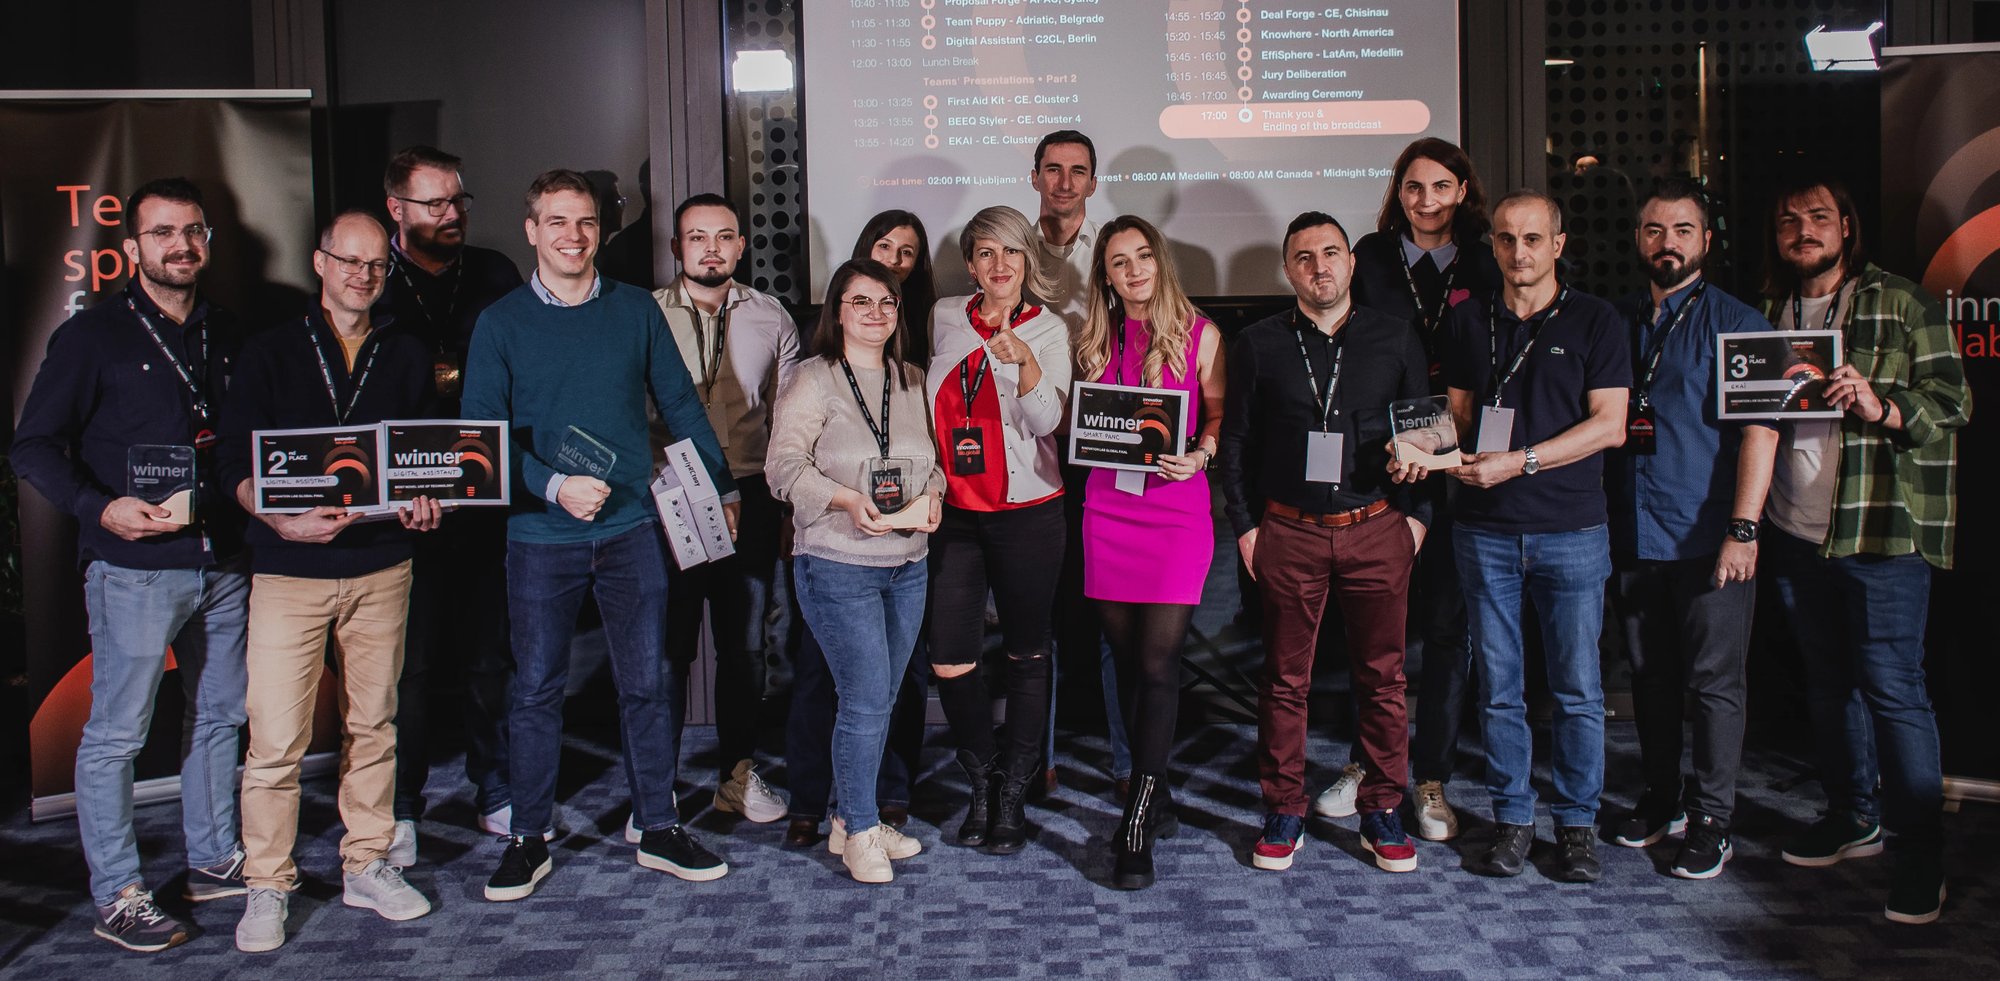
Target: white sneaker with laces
[(1436, 821), (746, 793), (895, 844), (380, 887), (866, 858), (1337, 801), (262, 927), (403, 845)]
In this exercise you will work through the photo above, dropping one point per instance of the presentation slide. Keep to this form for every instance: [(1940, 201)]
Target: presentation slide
[(1216, 119)]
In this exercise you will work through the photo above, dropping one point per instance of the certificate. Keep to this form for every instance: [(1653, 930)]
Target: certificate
[(301, 469), (1776, 374), (1125, 427), (455, 461)]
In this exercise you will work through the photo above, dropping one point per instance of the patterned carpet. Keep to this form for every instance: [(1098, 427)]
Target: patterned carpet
[(1048, 911)]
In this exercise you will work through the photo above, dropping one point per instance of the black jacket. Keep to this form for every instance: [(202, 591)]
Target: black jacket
[(1380, 283), (441, 310)]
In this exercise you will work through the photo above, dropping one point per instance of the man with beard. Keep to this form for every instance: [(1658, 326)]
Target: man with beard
[(436, 287), (148, 368), (738, 344), (1686, 492), (1863, 508)]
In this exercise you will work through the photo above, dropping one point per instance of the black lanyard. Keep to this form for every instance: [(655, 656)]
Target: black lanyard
[(442, 327), (1119, 365), (196, 390), (711, 366), (1651, 368), (880, 433), (326, 374), (1499, 380), (1339, 342), (1832, 307), (969, 386), (1430, 323)]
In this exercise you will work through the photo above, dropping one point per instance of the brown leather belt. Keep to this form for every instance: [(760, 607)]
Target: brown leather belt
[(1338, 519)]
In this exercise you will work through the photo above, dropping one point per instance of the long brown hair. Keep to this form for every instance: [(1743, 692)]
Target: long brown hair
[(1169, 315), (1468, 219), (1780, 279), (830, 339)]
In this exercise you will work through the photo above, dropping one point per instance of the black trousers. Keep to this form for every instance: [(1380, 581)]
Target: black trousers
[(736, 592)]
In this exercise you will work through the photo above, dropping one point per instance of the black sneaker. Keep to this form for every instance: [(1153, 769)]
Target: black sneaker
[(1506, 852), (674, 851), (217, 881), (134, 922), (1576, 855), (1834, 838), (1706, 849), (1649, 823), (1916, 894), (523, 866)]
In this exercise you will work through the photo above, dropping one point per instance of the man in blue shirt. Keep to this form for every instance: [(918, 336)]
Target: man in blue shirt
[(1686, 492)]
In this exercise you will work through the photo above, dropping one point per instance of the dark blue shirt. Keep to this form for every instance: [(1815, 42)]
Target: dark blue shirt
[(1674, 503), (1580, 349)]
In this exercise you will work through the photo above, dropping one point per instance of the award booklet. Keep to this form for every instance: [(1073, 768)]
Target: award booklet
[(1424, 432), (1776, 374), (1125, 427), (455, 461), (690, 508), (162, 475), (301, 469), (583, 455)]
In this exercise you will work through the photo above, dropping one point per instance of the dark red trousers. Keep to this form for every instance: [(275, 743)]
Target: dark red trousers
[(1367, 568)]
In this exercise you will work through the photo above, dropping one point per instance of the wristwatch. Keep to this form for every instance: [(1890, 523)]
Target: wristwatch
[(1742, 530), (1530, 462)]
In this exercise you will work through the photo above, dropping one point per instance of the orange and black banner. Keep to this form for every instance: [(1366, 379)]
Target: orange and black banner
[(1941, 226), (71, 159)]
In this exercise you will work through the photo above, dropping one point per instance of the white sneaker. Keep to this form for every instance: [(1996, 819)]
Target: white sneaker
[(1436, 821), (866, 858), (403, 845), (746, 793), (262, 927), (500, 823), (895, 844), (380, 887), (1337, 801)]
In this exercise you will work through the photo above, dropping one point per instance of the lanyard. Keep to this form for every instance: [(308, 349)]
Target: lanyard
[(881, 433), (1652, 364), (195, 389), (1832, 307), (1339, 342), (1431, 322), (451, 305), (1119, 365), (711, 364), (969, 386), (326, 374), (1520, 357)]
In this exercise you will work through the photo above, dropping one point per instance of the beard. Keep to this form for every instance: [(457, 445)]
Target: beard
[(1817, 267), (701, 277), (441, 241), (1670, 269), (157, 271)]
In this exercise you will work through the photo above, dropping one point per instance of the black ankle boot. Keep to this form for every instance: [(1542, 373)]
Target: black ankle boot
[(1165, 818), (978, 814), (1132, 868), (1010, 821)]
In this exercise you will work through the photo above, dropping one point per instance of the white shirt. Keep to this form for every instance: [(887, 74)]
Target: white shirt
[(1072, 271), (760, 345), (1806, 472)]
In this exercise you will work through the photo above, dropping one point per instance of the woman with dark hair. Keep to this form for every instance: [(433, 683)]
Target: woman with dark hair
[(1426, 256), (1146, 554), (897, 239), (861, 475)]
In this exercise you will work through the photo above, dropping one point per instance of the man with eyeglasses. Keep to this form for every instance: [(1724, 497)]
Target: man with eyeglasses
[(738, 344), (322, 571), (144, 370), (435, 289)]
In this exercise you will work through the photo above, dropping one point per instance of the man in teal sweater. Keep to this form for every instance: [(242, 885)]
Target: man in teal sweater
[(569, 360)]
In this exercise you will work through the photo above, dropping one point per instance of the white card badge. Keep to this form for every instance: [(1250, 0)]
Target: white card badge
[(1324, 458), (1496, 429), (1814, 435), (1130, 481)]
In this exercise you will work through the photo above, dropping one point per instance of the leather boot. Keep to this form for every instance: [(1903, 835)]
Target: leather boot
[(1165, 818), (1010, 820), (1132, 868), (978, 814)]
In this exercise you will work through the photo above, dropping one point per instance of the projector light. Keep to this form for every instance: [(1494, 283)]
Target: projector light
[(761, 71), (1842, 51)]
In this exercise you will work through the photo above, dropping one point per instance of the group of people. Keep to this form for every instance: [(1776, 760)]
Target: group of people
[(900, 463)]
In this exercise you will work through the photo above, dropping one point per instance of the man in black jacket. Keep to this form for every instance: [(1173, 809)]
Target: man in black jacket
[(143, 371)]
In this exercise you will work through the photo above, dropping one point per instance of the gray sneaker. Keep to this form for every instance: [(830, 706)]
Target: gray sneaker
[(262, 927), (380, 887), (403, 845)]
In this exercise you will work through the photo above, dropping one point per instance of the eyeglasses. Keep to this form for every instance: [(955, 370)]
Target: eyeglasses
[(436, 206), (862, 304), (166, 235), (356, 267)]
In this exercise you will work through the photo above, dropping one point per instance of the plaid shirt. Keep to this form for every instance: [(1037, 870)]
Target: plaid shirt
[(1897, 489)]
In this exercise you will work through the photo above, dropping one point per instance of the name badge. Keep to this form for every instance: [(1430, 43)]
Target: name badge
[(968, 451), (1324, 458), (1641, 429), (1496, 429), (1130, 481)]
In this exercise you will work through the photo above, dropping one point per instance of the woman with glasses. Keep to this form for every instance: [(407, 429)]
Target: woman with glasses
[(851, 453), (1146, 553), (998, 378)]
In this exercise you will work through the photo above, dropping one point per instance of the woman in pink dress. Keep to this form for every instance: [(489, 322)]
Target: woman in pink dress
[(1145, 555)]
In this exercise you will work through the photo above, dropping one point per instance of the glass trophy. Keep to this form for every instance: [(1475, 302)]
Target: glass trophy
[(162, 475), (582, 454)]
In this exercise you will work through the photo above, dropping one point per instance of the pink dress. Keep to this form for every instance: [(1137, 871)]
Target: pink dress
[(1155, 547)]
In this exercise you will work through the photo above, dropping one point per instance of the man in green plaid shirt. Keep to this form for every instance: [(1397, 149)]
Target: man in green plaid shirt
[(1861, 508)]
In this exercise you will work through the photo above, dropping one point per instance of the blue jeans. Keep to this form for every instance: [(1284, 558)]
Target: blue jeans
[(1563, 575), (545, 586), (1114, 715), (135, 615), (866, 619), (1859, 621)]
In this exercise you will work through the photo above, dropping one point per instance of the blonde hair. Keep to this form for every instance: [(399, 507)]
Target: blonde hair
[(1012, 230), (1169, 315)]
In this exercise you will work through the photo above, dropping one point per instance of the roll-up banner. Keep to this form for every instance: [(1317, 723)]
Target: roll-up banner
[(71, 159), (1941, 227)]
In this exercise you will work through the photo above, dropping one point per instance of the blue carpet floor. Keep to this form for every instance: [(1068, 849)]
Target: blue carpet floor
[(1048, 911)]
